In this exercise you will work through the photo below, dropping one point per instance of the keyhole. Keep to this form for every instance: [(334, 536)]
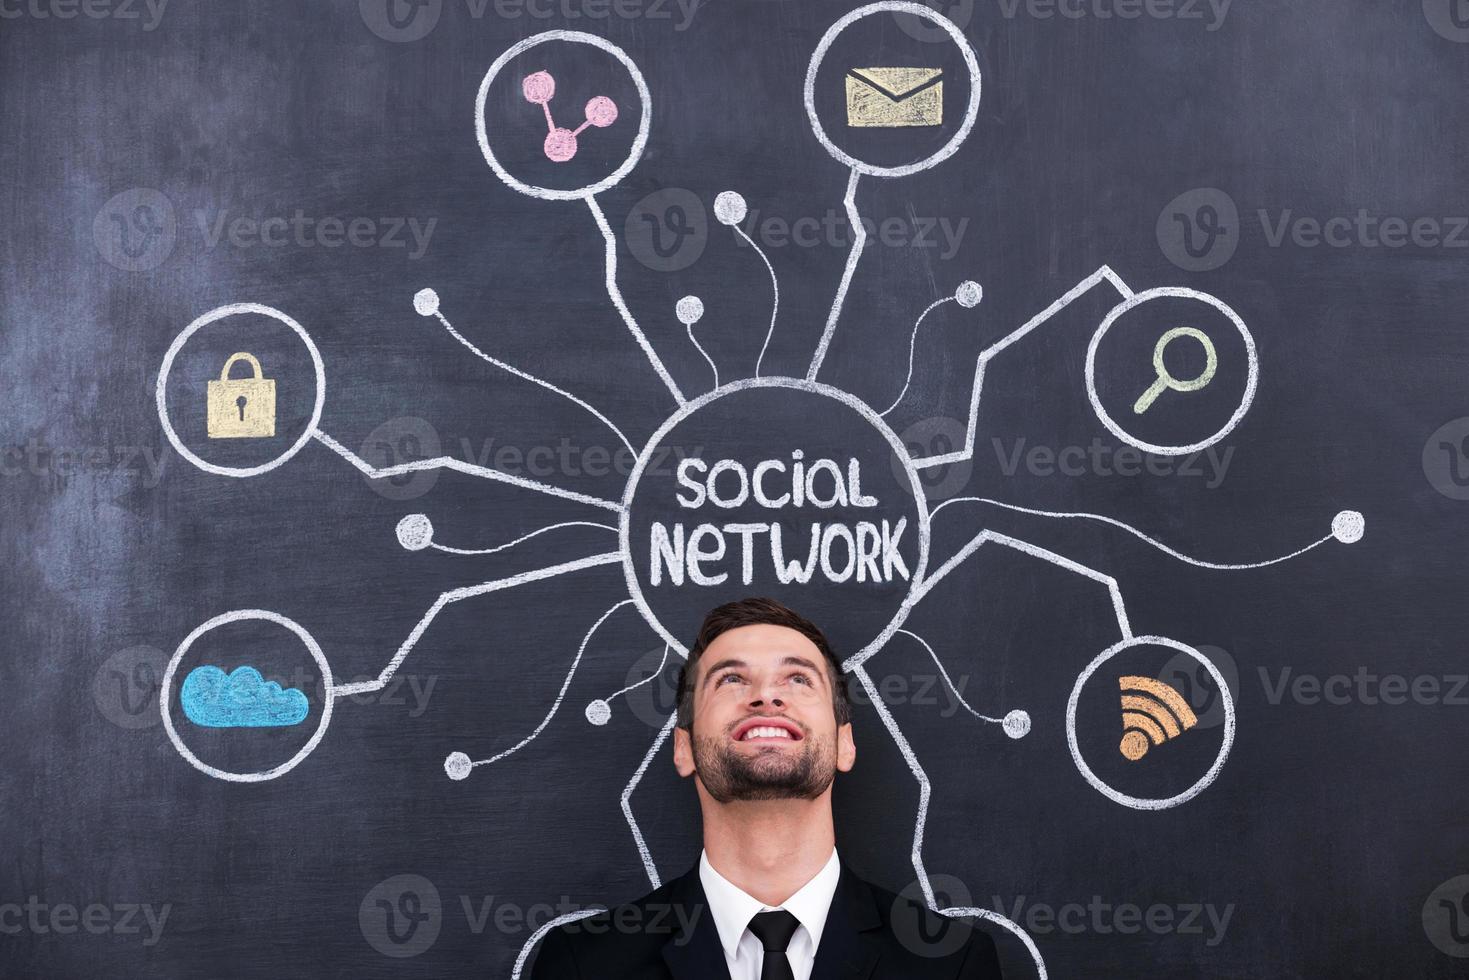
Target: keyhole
[(240, 403)]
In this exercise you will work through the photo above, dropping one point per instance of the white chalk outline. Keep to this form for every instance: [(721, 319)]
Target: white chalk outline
[(1103, 274), (328, 696), (438, 312), (161, 388), (947, 680), (637, 833), (774, 292), (912, 347), (1252, 380), (524, 537), (1216, 566), (540, 933), (466, 592), (921, 823), (808, 95), (560, 695), (459, 466), (900, 453), (971, 111), (1146, 803), (545, 193), (646, 680)]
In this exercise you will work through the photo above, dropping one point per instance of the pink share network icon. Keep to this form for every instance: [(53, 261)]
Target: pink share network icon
[(560, 146)]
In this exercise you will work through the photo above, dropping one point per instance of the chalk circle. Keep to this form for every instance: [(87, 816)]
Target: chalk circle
[(971, 111), (1111, 792), (633, 154), (161, 389), (900, 453), (457, 766), (328, 695), (1252, 379)]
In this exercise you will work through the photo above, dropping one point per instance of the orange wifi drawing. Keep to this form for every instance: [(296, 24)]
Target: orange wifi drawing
[(1152, 713)]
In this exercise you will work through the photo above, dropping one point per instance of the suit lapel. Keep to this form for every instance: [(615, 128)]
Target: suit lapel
[(849, 949), (694, 954)]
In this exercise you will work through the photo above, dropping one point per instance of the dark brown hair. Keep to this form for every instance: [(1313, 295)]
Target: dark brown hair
[(752, 612)]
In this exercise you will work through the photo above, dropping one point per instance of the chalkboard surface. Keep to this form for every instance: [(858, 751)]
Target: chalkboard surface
[(1094, 372)]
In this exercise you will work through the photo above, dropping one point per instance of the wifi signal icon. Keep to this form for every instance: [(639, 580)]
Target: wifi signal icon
[(1152, 713)]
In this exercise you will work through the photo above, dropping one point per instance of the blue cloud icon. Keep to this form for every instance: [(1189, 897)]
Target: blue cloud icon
[(240, 699)]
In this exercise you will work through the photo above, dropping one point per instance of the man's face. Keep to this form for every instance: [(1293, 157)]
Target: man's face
[(764, 722)]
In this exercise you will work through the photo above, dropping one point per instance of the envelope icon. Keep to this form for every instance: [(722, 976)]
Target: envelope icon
[(891, 97)]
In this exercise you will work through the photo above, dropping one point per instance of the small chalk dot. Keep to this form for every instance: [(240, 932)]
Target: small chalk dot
[(599, 712), (969, 294), (601, 112), (457, 765), (538, 87), (1348, 526), (689, 310), (1016, 724), (415, 532), (729, 208), (426, 302)]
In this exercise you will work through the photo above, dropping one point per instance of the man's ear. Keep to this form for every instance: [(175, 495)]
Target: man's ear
[(846, 749), (683, 752)]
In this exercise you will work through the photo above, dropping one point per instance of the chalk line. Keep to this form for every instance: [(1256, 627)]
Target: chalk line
[(774, 291), (859, 240), (438, 314), (1102, 518), (615, 295), (912, 343), (632, 823), (459, 466), (496, 585), (560, 695), (921, 823), (1104, 274), (524, 537), (945, 674), (540, 933)]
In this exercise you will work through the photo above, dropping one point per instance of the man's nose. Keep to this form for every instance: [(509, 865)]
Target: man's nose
[(766, 692)]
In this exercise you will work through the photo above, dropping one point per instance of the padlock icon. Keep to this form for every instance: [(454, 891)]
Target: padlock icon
[(241, 408)]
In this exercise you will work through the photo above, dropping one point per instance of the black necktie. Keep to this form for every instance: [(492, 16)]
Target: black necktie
[(774, 930)]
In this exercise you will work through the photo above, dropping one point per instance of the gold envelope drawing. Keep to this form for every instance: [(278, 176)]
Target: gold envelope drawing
[(891, 97)]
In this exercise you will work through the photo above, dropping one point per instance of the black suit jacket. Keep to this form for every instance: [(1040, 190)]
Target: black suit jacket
[(870, 934)]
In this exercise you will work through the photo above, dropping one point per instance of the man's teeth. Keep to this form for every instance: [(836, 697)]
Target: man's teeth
[(765, 731)]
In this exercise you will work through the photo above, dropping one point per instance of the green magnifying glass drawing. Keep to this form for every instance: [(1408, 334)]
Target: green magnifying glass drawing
[(1165, 381)]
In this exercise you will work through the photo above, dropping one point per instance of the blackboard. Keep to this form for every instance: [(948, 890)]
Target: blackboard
[(378, 756)]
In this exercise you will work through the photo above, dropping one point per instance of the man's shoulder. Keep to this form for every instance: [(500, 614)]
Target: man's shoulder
[(633, 931), (921, 936)]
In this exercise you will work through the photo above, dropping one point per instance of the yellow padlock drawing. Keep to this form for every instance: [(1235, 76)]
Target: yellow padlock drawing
[(241, 408)]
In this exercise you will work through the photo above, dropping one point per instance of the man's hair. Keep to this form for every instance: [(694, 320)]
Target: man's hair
[(756, 611)]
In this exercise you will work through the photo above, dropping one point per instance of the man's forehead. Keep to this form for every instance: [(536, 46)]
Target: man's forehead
[(761, 643)]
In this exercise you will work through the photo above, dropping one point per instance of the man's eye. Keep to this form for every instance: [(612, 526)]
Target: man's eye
[(801, 679), (727, 677)]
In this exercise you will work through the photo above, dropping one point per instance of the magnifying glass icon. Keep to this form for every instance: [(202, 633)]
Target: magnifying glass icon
[(1165, 380)]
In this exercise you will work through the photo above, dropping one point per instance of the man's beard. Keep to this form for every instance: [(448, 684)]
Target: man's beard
[(774, 774)]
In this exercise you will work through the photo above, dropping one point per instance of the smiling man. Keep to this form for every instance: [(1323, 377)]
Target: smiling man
[(764, 726)]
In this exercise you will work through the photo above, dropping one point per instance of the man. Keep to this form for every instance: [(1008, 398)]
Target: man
[(763, 728)]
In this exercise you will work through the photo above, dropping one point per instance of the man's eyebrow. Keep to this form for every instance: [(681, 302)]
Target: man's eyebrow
[(794, 661), (726, 662)]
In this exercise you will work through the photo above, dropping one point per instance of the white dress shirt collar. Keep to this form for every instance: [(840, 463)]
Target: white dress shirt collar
[(733, 908)]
